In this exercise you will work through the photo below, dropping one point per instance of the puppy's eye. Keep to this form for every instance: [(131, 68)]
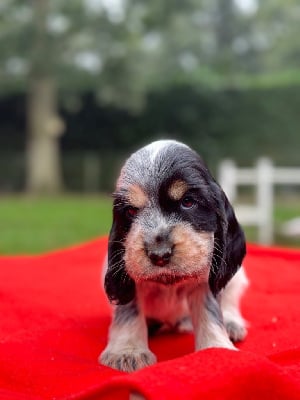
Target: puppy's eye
[(131, 212), (187, 202)]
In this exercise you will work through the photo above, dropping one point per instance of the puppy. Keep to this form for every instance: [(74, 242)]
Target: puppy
[(174, 256)]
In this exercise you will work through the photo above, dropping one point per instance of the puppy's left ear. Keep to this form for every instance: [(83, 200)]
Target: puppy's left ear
[(119, 287), (229, 245)]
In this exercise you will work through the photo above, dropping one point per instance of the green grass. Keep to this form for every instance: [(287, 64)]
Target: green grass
[(30, 225)]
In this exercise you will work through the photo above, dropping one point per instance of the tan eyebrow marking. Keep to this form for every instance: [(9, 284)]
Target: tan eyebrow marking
[(137, 197), (177, 189)]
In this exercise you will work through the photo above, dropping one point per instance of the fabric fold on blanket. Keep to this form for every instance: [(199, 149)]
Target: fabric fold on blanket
[(55, 319)]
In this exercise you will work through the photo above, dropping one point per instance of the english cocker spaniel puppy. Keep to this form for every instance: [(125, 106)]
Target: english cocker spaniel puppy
[(174, 256)]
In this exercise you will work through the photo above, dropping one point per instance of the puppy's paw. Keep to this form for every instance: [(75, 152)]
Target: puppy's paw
[(236, 328), (236, 332), (127, 360)]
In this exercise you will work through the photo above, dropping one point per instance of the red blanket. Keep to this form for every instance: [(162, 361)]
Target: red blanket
[(55, 317)]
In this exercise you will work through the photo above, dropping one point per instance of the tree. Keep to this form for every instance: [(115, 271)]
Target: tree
[(44, 123)]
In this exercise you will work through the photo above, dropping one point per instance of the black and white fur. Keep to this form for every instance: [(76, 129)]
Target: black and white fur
[(174, 256)]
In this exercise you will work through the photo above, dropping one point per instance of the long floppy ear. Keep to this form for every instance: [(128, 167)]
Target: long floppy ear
[(229, 246), (119, 287)]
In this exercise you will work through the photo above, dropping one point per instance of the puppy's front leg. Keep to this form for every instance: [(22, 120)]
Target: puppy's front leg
[(127, 348), (207, 320)]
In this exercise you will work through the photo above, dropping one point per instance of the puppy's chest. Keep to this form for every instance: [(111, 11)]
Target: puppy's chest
[(167, 304)]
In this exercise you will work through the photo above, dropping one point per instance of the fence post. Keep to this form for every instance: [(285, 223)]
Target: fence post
[(262, 178), (265, 201)]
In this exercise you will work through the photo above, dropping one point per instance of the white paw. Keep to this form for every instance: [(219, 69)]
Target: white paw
[(127, 360), (236, 327)]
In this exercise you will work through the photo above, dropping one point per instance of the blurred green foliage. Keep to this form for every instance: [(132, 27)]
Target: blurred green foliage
[(121, 49)]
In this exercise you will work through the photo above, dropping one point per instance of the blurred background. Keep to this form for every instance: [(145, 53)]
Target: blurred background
[(85, 82)]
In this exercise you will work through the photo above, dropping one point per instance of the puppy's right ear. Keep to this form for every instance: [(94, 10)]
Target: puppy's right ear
[(119, 286)]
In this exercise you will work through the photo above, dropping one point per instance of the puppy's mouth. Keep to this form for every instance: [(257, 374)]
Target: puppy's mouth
[(170, 274), (169, 278)]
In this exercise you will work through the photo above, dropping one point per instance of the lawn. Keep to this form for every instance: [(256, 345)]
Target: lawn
[(30, 225)]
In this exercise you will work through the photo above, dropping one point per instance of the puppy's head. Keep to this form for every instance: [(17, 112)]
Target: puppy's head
[(171, 223)]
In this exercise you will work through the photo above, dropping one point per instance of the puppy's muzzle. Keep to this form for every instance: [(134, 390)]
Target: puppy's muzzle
[(159, 248)]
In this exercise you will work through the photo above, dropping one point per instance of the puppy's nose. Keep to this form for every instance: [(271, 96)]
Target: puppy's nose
[(160, 258), (159, 247)]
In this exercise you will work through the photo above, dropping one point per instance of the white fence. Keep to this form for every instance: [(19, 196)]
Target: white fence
[(263, 176)]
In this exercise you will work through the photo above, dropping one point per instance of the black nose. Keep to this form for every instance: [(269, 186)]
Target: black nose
[(160, 259)]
